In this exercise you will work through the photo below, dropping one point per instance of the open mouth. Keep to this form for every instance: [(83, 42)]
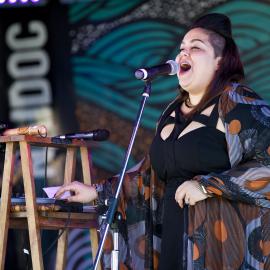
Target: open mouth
[(184, 67)]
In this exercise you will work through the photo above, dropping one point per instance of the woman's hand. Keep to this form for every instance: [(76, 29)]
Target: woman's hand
[(82, 193), (189, 192)]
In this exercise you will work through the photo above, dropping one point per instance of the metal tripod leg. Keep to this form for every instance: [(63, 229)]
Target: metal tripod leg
[(115, 252)]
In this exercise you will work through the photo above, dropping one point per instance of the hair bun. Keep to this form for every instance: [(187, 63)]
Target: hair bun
[(216, 22)]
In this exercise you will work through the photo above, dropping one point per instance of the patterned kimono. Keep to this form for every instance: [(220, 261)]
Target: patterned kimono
[(230, 230)]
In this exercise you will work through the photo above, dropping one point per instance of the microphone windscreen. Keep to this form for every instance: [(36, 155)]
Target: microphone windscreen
[(139, 74), (101, 135), (174, 67)]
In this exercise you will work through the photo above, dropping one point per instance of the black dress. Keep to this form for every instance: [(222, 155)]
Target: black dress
[(176, 160)]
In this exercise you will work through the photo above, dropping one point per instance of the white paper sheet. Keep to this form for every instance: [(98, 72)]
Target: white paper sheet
[(50, 191)]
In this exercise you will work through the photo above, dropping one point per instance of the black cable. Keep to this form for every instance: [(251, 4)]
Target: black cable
[(42, 135), (52, 244), (45, 169), (69, 213), (27, 254), (59, 235), (45, 177)]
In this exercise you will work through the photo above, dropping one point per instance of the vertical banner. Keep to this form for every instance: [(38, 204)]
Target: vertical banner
[(36, 88), (35, 81)]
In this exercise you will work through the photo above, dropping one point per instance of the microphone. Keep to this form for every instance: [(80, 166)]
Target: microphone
[(170, 68), (94, 135)]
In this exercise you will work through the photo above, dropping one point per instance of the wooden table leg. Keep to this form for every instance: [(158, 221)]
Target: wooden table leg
[(86, 164), (70, 167), (61, 251), (30, 198), (5, 199), (85, 160)]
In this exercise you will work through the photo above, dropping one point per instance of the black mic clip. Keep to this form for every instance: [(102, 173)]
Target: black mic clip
[(57, 140)]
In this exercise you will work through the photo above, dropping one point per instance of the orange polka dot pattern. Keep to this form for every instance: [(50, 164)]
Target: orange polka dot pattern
[(231, 229)]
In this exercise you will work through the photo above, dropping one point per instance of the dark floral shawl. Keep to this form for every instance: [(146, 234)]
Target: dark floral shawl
[(229, 231)]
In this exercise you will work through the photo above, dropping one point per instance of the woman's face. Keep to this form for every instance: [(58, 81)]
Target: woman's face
[(197, 61)]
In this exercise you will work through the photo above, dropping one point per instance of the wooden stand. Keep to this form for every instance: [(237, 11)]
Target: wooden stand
[(37, 220)]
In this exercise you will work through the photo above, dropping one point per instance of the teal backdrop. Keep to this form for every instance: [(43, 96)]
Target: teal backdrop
[(94, 47), (110, 39)]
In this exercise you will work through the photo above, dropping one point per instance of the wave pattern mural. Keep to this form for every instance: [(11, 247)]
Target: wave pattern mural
[(102, 10), (109, 44), (112, 38), (105, 74), (251, 20)]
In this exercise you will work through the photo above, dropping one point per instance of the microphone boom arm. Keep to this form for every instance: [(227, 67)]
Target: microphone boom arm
[(112, 208)]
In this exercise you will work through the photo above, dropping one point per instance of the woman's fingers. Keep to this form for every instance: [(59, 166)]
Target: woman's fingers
[(187, 200), (189, 193), (60, 192), (180, 195), (73, 186), (82, 193), (73, 198)]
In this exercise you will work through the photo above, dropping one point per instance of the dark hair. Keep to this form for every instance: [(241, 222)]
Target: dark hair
[(230, 66)]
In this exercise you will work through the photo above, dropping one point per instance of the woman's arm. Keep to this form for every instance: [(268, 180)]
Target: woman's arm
[(105, 189), (247, 122)]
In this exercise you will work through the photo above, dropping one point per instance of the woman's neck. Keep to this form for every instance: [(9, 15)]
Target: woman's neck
[(190, 103), (195, 99)]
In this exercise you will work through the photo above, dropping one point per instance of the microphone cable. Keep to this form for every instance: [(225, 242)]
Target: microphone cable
[(69, 210), (59, 235), (45, 169), (28, 251)]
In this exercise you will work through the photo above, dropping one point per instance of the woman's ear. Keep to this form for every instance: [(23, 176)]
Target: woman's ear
[(218, 62)]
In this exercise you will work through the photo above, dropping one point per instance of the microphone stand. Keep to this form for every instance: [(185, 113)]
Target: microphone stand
[(114, 201)]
